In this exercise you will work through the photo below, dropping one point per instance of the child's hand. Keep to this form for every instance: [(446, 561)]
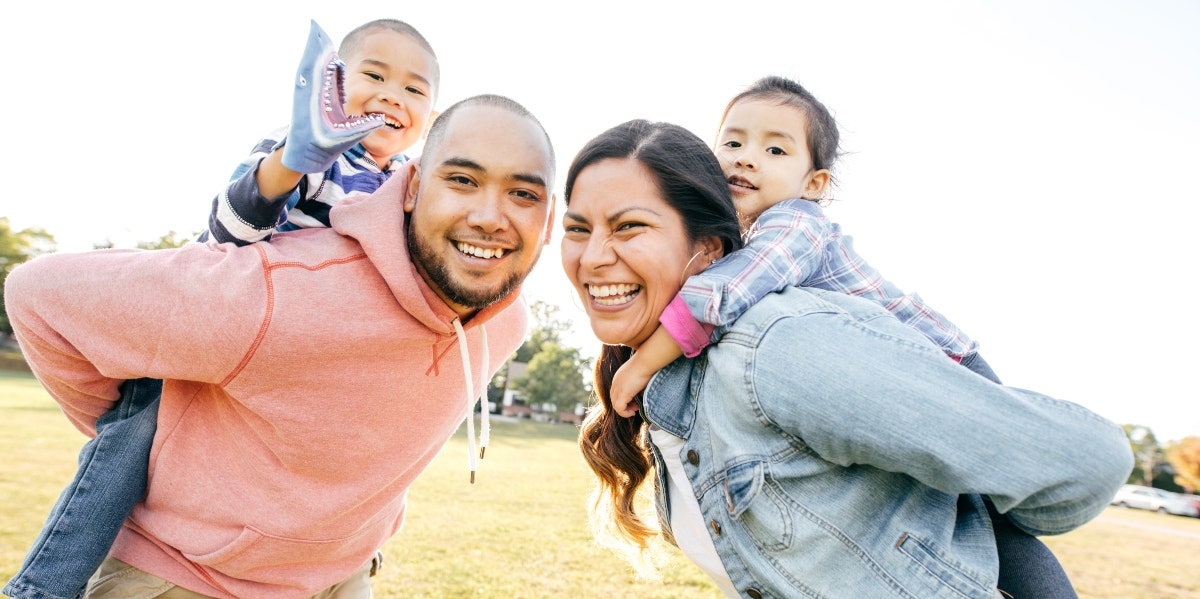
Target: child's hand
[(627, 385), (320, 130)]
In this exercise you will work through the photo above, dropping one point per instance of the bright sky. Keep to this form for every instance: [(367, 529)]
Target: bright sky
[(1026, 166)]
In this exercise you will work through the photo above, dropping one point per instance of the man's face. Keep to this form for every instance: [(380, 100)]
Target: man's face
[(480, 206)]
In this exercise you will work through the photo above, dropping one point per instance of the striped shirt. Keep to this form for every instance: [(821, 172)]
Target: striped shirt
[(793, 243), (241, 215)]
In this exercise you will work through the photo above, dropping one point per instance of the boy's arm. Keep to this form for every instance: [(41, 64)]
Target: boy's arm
[(631, 378), (784, 249), (249, 210), (243, 213)]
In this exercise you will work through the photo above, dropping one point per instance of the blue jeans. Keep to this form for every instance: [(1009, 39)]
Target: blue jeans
[(1027, 566), (84, 522)]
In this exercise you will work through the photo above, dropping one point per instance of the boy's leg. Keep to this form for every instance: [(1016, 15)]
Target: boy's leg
[(111, 479)]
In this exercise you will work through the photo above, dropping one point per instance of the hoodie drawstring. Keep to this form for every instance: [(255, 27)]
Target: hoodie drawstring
[(473, 398)]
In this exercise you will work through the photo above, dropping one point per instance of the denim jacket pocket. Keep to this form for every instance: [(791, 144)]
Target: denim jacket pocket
[(751, 502), (948, 573)]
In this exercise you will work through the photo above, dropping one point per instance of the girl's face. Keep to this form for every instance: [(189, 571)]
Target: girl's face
[(763, 148), (624, 249)]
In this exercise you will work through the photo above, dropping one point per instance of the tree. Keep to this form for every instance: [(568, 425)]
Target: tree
[(1184, 456), (166, 242), (17, 247), (556, 376), (1147, 454), (547, 328)]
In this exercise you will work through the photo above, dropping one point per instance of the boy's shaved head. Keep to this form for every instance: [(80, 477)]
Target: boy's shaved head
[(353, 40)]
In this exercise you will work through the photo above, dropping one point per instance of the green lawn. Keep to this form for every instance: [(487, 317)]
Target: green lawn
[(520, 531)]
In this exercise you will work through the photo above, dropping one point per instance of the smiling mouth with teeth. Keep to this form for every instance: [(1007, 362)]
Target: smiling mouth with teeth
[(613, 295), (740, 182), (478, 252)]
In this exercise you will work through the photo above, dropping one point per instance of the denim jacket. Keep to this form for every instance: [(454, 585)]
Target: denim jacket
[(835, 452)]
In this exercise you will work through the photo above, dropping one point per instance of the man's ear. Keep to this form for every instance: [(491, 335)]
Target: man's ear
[(550, 221), (414, 184), (817, 185)]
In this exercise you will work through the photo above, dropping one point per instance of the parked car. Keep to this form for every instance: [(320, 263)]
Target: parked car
[(1149, 498)]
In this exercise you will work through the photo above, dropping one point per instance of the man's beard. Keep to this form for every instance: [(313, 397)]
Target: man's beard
[(439, 276)]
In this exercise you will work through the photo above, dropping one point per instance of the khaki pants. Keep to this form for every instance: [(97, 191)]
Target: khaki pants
[(118, 580)]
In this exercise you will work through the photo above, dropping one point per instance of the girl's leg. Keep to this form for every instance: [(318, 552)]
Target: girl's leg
[(1028, 570)]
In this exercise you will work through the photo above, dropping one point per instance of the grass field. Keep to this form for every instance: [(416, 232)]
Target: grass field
[(520, 531)]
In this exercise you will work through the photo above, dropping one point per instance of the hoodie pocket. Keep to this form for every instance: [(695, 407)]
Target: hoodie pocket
[(256, 555), (754, 504)]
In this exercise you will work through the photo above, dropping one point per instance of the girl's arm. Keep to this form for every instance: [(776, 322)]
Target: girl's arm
[(784, 249)]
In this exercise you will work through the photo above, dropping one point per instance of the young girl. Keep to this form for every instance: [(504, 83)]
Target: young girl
[(777, 145)]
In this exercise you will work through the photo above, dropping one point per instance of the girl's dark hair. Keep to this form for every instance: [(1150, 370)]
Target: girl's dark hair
[(692, 183), (823, 137)]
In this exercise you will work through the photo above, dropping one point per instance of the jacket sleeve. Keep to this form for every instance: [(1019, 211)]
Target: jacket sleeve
[(783, 250), (876, 393), (240, 214), (87, 321)]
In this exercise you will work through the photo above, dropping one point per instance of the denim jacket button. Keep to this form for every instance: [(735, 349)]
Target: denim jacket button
[(754, 593), (716, 526), (693, 457)]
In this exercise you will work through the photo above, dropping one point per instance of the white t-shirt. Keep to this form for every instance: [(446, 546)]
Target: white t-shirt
[(687, 523)]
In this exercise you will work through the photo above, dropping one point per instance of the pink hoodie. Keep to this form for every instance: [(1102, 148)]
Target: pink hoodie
[(307, 383)]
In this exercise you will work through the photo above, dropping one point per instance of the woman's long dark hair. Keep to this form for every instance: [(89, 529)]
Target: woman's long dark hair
[(691, 181)]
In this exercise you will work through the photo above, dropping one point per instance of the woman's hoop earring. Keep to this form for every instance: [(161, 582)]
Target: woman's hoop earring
[(683, 275)]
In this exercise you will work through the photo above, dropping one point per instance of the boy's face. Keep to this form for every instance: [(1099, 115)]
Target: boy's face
[(763, 148), (390, 73), (480, 206)]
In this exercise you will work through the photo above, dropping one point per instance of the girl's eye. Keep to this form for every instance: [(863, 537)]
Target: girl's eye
[(776, 151), (415, 90), (375, 76), (732, 144)]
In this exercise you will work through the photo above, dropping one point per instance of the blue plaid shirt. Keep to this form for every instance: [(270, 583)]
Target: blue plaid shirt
[(792, 244), (241, 215)]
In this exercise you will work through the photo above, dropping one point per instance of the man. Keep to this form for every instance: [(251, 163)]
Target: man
[(307, 382)]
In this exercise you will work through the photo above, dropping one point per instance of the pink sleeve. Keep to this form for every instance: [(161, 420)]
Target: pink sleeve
[(691, 334)]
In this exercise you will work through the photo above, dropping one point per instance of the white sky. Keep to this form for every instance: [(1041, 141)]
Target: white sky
[(1024, 165)]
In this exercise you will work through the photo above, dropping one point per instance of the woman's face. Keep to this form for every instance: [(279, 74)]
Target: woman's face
[(625, 250)]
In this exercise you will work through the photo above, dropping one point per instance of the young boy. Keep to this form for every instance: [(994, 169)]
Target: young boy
[(351, 123)]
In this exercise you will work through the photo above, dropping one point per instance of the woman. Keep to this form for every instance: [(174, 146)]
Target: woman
[(821, 448)]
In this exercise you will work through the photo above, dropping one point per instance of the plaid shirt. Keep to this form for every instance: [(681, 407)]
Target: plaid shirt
[(241, 215), (793, 243)]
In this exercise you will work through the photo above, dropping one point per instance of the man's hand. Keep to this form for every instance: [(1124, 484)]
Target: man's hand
[(320, 129)]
